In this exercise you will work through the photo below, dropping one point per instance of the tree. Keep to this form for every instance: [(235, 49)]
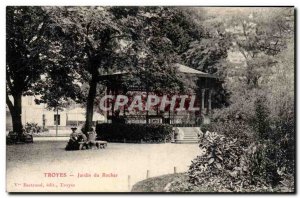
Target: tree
[(161, 39), (158, 49), (208, 50), (260, 78), (99, 37), (257, 37), (26, 28), (133, 39)]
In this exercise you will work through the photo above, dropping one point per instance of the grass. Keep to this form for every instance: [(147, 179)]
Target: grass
[(28, 162), (157, 184)]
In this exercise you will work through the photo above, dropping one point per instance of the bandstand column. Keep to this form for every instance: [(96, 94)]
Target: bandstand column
[(107, 103), (202, 99), (209, 101)]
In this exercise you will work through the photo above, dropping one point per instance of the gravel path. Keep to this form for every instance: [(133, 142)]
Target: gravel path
[(28, 163)]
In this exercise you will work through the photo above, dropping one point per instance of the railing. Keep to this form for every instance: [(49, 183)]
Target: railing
[(186, 125)]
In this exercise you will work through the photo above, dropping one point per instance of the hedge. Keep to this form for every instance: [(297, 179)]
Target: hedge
[(118, 132)]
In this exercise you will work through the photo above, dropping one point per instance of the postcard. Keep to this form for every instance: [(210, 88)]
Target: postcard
[(150, 99)]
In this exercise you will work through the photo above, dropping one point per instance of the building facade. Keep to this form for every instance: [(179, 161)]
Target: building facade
[(49, 119)]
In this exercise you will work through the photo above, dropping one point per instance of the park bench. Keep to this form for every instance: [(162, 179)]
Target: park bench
[(91, 141), (98, 143), (101, 144)]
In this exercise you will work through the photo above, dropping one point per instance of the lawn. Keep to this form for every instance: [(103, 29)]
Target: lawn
[(29, 162), (157, 184)]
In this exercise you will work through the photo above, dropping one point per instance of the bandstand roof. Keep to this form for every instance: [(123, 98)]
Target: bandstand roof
[(181, 68), (189, 70)]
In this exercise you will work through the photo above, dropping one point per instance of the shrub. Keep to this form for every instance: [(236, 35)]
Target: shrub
[(206, 127), (32, 127), (278, 138), (260, 121), (273, 135), (236, 129), (179, 185), (228, 166), (119, 132), (283, 137)]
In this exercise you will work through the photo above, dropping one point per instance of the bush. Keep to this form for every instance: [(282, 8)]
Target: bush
[(32, 127), (14, 137), (273, 135), (231, 164), (184, 186), (226, 165), (236, 129), (278, 138), (119, 132), (206, 127), (283, 137)]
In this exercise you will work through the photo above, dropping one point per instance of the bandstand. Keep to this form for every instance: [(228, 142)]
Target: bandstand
[(204, 92)]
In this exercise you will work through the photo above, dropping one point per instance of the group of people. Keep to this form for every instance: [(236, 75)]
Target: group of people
[(78, 140)]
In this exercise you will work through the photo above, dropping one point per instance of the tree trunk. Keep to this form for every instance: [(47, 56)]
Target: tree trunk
[(147, 112), (16, 113), (56, 122), (90, 104)]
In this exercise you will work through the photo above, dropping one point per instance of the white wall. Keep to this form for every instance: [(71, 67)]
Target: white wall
[(31, 112)]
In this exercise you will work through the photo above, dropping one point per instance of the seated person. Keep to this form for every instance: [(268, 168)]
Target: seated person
[(73, 141), (92, 138), (74, 134), (82, 137), (83, 141)]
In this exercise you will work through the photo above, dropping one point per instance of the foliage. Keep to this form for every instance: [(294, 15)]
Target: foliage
[(261, 87), (103, 40), (155, 133), (208, 53), (157, 184), (26, 55), (260, 54), (26, 32), (206, 127), (268, 145), (287, 184), (279, 140), (252, 155), (32, 128), (35, 63), (283, 140), (75, 45), (180, 185), (15, 138), (266, 114), (237, 129), (228, 166), (275, 134), (261, 122)]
